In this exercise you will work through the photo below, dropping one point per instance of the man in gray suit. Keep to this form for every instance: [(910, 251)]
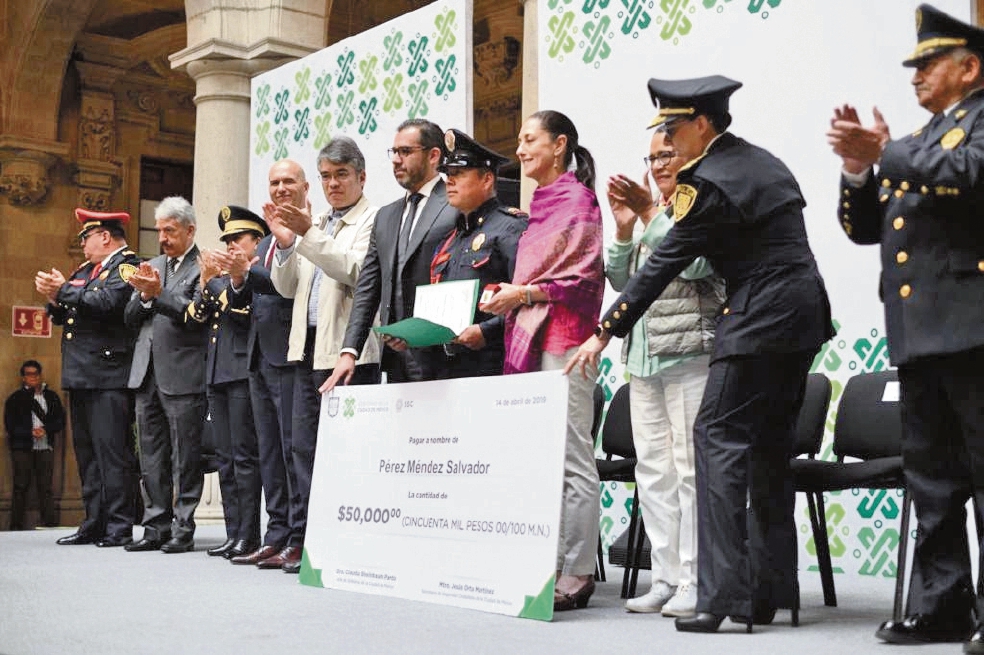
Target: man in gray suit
[(169, 375), (403, 241)]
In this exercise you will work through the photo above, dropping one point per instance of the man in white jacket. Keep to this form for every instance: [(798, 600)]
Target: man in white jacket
[(317, 263)]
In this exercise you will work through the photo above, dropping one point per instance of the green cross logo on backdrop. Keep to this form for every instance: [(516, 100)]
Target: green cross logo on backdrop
[(445, 38), (349, 410), (595, 21)]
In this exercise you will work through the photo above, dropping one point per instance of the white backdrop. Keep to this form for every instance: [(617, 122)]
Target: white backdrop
[(416, 66), (797, 61)]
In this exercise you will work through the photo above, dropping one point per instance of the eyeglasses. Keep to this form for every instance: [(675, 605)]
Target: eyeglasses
[(403, 152), (87, 235), (663, 158), (32, 374), (672, 128)]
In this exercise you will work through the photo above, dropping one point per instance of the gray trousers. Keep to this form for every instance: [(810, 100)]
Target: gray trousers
[(170, 459)]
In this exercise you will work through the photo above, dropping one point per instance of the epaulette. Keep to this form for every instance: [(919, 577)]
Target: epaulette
[(515, 211), (129, 253), (690, 164)]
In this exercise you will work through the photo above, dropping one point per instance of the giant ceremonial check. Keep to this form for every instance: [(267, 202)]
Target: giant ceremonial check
[(447, 492)]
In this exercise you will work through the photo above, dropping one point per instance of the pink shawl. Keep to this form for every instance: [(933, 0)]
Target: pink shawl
[(561, 252)]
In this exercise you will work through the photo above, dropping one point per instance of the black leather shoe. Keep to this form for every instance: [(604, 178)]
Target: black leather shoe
[(975, 645), (926, 629), (114, 541), (178, 545), (221, 550), (760, 616), (704, 622), (144, 544), (77, 539), (241, 547), (292, 567)]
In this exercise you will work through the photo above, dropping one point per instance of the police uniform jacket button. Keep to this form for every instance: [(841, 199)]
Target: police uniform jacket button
[(905, 291), (68, 335), (902, 257), (898, 223), (71, 321)]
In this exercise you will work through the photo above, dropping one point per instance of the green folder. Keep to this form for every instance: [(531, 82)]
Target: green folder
[(418, 332), (432, 300)]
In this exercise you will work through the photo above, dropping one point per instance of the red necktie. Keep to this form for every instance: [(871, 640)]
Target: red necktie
[(95, 271)]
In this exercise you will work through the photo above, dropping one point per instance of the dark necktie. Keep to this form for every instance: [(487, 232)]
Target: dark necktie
[(413, 201), (172, 265)]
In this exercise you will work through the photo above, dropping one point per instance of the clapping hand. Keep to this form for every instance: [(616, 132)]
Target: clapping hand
[(147, 281), (628, 200), (48, 284), (859, 147)]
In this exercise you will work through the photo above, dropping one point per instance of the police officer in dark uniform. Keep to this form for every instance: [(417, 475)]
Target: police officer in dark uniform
[(227, 380), (271, 388), (482, 247), (741, 208), (924, 207), (96, 352)]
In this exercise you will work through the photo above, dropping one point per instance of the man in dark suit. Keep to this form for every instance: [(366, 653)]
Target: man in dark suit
[(923, 206), (96, 352), (226, 378), (169, 376), (404, 238), (271, 385), (33, 415), (741, 208)]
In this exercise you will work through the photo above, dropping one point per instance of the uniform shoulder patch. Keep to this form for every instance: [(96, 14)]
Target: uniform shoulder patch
[(683, 201), (126, 270), (952, 138)]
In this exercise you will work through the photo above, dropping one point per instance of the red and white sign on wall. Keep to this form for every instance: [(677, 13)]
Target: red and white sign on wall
[(31, 322)]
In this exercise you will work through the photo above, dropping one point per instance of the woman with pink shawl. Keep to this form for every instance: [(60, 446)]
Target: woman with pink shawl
[(551, 308)]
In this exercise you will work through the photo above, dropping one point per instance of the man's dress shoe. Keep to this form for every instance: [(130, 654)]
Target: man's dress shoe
[(926, 629), (256, 556), (285, 556), (241, 547), (705, 622), (178, 545), (113, 541), (77, 539), (292, 567), (144, 544), (221, 550)]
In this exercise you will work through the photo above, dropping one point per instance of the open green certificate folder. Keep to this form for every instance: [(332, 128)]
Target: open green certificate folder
[(440, 313)]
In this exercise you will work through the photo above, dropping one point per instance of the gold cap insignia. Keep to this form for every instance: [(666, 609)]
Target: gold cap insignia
[(952, 138), (449, 140), (226, 213), (683, 201), (478, 241)]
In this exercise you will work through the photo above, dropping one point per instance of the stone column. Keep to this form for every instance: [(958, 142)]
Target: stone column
[(531, 82), (222, 101)]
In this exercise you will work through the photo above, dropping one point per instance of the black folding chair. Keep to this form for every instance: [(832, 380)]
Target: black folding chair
[(869, 429), (616, 440)]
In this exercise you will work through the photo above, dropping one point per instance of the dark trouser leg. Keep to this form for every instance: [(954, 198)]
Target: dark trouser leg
[(20, 461), (246, 461), (80, 403), (111, 412), (185, 417), (271, 389), (304, 438), (43, 466), (155, 462), (943, 460), (736, 440), (218, 409), (772, 539)]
